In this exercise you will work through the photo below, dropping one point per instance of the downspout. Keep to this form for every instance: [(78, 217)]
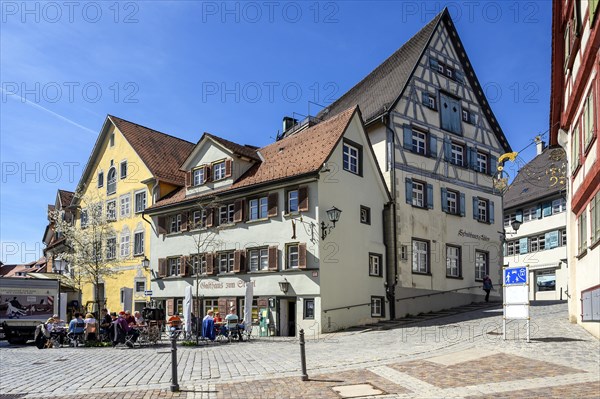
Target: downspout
[(392, 280)]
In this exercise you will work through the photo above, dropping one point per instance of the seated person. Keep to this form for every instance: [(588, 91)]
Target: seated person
[(121, 323), (76, 326), (129, 318), (218, 318), (90, 327), (208, 326), (105, 320), (139, 320), (232, 321), (174, 323)]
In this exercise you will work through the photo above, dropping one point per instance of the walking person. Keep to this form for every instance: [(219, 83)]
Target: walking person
[(487, 287)]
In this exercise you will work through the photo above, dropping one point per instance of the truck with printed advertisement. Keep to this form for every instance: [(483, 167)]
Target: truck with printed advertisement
[(24, 304)]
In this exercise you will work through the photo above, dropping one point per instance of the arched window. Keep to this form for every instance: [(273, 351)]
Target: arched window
[(111, 181)]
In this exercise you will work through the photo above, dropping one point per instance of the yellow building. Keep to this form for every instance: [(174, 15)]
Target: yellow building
[(130, 167)]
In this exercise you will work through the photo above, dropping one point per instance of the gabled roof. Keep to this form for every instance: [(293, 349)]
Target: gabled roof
[(381, 89), (535, 180), (247, 151), (298, 155), (160, 152), (65, 197)]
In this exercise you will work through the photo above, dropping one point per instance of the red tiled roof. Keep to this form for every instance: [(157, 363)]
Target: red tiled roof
[(65, 197), (296, 155), (161, 153), (243, 150)]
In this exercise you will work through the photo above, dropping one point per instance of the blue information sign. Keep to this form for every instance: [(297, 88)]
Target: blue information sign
[(515, 275)]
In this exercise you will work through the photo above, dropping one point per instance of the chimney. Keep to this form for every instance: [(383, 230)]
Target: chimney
[(540, 145), (288, 123)]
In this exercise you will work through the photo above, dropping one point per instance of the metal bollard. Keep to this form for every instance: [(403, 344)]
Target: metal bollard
[(174, 383), (304, 375)]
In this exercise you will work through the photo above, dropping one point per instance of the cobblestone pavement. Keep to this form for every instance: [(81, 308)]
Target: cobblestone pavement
[(460, 356)]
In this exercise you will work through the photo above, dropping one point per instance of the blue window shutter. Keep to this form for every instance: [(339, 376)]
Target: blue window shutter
[(430, 196), (447, 150), (408, 185), (425, 98), (492, 212), (462, 204), (470, 156), (433, 146), (493, 165), (459, 76), (523, 245), (551, 239), (433, 63), (547, 209), (538, 212), (475, 210), (444, 200), (408, 138), (519, 216)]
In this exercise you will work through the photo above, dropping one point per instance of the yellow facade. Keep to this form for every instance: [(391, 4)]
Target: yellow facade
[(114, 150)]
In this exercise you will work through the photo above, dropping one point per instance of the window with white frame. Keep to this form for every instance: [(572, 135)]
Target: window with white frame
[(365, 215), (482, 162), (111, 210), (258, 259), (140, 286), (452, 261), (226, 261), (111, 181), (419, 142), (111, 248), (420, 256), (174, 265), (351, 158), (175, 225), (140, 201), (376, 306), (481, 265), (559, 205), (198, 176), (199, 219), (563, 237), (219, 171), (258, 208), (125, 243), (199, 264), (508, 219), (375, 261), (418, 194), (291, 256), (125, 201), (309, 308), (226, 213), (292, 201), (138, 243), (529, 214), (512, 248), (452, 201), (533, 244), (123, 169), (482, 210), (457, 154)]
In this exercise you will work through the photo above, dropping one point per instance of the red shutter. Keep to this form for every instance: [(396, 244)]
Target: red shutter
[(303, 199), (210, 263), (184, 267), (162, 225), (238, 211), (272, 201), (170, 306), (301, 256), (162, 267), (228, 167), (185, 221), (273, 258), (209, 217), (188, 178), (237, 261)]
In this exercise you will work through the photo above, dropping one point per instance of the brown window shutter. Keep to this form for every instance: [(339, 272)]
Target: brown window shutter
[(210, 260), (272, 204), (242, 260), (184, 221), (273, 258), (207, 175), (184, 266), (170, 306), (238, 211), (303, 199), (162, 267), (162, 225), (237, 261), (188, 178), (301, 256), (228, 167), (209, 217), (223, 307)]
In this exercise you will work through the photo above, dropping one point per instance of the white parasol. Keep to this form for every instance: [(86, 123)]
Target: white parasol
[(248, 305), (187, 309)]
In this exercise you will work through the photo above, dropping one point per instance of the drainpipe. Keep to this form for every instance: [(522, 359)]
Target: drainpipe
[(392, 280)]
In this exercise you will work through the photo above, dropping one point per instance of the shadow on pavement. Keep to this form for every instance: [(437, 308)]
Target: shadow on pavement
[(557, 339)]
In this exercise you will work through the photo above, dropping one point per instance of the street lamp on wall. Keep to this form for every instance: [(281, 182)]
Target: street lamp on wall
[(515, 224), (333, 215), (145, 263), (284, 286)]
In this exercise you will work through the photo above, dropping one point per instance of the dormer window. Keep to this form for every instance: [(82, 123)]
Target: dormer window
[(219, 171), (198, 177)]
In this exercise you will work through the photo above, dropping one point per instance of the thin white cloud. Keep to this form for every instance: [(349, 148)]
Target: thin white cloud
[(52, 113)]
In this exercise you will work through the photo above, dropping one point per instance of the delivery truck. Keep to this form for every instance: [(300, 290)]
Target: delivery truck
[(24, 304)]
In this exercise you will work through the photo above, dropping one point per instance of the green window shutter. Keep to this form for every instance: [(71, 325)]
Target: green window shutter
[(430, 196), (475, 208), (492, 212), (408, 138), (408, 185), (444, 200), (432, 146), (462, 204)]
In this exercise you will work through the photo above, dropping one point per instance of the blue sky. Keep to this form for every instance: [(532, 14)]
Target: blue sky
[(232, 69)]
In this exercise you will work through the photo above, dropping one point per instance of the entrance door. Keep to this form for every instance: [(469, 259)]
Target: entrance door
[(292, 318), (283, 317)]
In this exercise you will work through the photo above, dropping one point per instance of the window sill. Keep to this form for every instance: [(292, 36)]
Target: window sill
[(252, 221), (138, 255), (581, 254), (453, 214), (375, 275), (260, 271), (425, 208), (421, 273), (588, 146), (595, 244), (455, 277)]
